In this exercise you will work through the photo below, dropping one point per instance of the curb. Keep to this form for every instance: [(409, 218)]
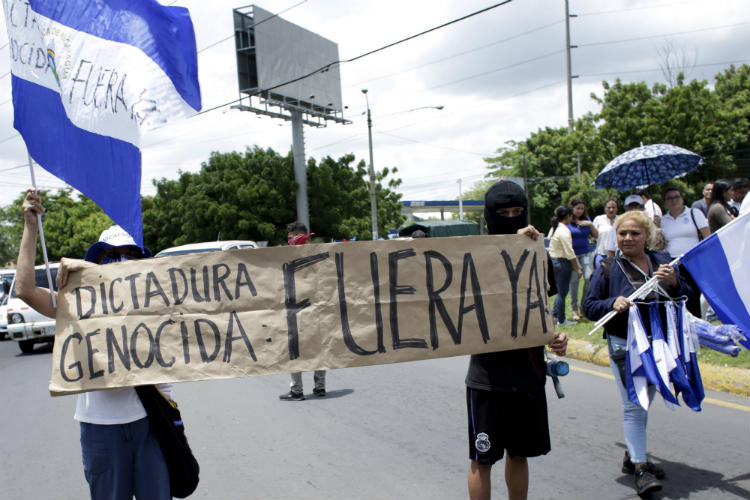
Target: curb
[(718, 378)]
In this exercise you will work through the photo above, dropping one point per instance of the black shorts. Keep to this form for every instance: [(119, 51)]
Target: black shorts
[(516, 421)]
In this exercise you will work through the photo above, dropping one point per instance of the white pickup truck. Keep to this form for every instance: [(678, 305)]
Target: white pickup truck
[(25, 325)]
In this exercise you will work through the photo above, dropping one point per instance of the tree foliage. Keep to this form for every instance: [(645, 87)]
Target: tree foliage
[(711, 122), (70, 225), (253, 196), (234, 196)]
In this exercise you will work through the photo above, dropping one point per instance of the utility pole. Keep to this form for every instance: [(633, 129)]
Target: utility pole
[(567, 60), (526, 186), (373, 199)]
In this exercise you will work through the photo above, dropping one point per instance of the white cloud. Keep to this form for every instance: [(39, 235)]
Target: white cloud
[(485, 107)]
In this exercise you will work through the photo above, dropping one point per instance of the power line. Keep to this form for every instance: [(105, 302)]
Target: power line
[(580, 45), (9, 138), (431, 145), (379, 49), (256, 24), (637, 8), (458, 54), (502, 68), (586, 75), (8, 169)]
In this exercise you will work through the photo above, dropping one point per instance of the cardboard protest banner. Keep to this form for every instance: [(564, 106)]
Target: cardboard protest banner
[(298, 308)]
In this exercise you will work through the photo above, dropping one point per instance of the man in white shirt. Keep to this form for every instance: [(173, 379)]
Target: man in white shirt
[(740, 187), (652, 209), (745, 207)]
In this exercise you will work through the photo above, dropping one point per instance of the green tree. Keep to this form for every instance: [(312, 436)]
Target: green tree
[(70, 225), (476, 192), (711, 122), (252, 196)]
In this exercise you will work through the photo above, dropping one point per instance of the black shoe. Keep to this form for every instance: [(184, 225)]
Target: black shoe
[(319, 392), (292, 396), (629, 468), (645, 481)]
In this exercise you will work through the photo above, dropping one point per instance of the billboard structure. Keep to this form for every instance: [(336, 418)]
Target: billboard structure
[(285, 71), (272, 52)]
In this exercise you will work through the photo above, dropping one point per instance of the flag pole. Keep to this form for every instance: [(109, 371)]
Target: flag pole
[(41, 235), (651, 283), (644, 290)]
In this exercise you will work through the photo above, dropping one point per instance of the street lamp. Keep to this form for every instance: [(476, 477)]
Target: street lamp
[(373, 199)]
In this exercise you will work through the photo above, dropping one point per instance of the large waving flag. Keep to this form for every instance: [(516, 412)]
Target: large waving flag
[(88, 76), (720, 265)]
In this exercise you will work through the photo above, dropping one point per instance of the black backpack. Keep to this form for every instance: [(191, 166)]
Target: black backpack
[(166, 424)]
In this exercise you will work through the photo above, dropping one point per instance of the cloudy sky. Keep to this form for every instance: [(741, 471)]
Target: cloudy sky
[(499, 75)]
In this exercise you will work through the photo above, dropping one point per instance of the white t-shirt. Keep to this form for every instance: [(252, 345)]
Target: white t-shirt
[(603, 226), (113, 406), (745, 207), (652, 209), (680, 233), (610, 244)]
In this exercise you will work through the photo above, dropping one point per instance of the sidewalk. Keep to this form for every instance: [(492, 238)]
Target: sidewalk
[(718, 378)]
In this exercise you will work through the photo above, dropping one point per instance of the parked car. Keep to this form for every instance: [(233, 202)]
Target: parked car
[(208, 246), (6, 278), (25, 325)]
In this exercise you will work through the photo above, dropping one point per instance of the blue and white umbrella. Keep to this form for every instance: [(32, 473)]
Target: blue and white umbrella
[(646, 165)]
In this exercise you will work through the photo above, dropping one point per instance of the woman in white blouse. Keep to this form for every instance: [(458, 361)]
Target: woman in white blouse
[(683, 228), (563, 260), (604, 224)]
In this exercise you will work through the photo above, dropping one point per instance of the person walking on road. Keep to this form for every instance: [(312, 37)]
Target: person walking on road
[(564, 260), (297, 235), (505, 399), (633, 264), (581, 228)]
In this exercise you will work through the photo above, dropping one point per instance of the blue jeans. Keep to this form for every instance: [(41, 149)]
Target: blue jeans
[(586, 261), (124, 460), (563, 269), (635, 418)]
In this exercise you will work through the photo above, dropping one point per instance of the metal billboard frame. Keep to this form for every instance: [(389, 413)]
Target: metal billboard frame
[(275, 101)]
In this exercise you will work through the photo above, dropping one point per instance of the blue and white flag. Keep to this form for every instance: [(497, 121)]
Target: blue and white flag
[(88, 77), (640, 369), (689, 349), (663, 357), (682, 375), (720, 265)]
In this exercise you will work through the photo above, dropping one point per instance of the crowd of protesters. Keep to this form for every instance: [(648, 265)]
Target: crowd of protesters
[(505, 397), (679, 226)]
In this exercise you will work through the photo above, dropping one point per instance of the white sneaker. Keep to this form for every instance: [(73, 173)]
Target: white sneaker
[(568, 323)]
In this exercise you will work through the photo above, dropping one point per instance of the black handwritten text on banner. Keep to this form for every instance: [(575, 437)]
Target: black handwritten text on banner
[(284, 309)]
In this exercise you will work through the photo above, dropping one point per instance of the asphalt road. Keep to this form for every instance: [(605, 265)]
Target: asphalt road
[(394, 431)]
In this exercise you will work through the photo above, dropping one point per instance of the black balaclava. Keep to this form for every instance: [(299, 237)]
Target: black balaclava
[(505, 194)]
